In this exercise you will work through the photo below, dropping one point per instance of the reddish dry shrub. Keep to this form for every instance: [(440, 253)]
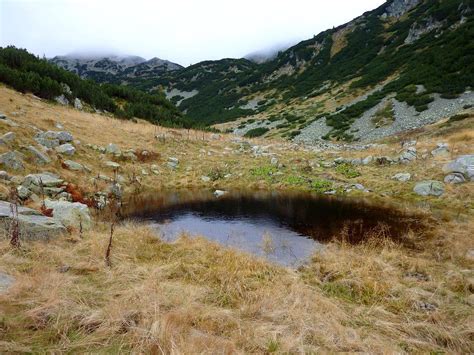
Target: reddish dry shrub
[(77, 195), (48, 212)]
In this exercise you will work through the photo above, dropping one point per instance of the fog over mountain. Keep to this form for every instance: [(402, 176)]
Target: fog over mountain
[(183, 32)]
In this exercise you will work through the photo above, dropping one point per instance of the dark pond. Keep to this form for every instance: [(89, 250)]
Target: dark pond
[(286, 228)]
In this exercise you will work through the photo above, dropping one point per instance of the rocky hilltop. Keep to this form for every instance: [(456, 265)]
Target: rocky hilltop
[(114, 68)]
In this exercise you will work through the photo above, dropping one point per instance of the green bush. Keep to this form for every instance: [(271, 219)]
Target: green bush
[(256, 132)]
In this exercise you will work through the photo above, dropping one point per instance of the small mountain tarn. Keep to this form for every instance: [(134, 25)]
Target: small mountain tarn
[(283, 227)]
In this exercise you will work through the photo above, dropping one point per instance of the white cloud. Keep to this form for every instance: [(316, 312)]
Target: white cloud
[(184, 31)]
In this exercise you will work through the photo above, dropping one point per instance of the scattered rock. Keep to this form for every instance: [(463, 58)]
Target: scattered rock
[(71, 214), (23, 192), (72, 165), (274, 161), (455, 178), (429, 187), (52, 139), (5, 282), (4, 175), (113, 149), (12, 160), (408, 155), (425, 306), (77, 104), (402, 177), (33, 225), (40, 158), (33, 182), (441, 150), (130, 155), (112, 164), (219, 193), (173, 162), (367, 160), (7, 138), (408, 144), (62, 100), (66, 149), (463, 164), (154, 169), (205, 178)]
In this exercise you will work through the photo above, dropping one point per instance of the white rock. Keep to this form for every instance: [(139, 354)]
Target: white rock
[(219, 193), (402, 177)]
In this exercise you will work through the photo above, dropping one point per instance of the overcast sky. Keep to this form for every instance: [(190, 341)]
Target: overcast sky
[(183, 31)]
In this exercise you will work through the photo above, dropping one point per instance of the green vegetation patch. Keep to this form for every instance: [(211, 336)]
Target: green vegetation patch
[(347, 170), (256, 132)]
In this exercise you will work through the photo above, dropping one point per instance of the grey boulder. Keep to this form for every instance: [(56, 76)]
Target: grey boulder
[(7, 138), (66, 149), (454, 178), (442, 149), (402, 177), (34, 182), (113, 149), (52, 139), (429, 188), (72, 165), (464, 164), (71, 214), (12, 160), (33, 225), (408, 155), (39, 157)]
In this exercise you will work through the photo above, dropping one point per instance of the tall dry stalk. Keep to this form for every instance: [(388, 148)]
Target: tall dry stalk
[(14, 231), (114, 206)]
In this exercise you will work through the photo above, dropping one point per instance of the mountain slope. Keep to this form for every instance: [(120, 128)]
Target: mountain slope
[(386, 71), (401, 43)]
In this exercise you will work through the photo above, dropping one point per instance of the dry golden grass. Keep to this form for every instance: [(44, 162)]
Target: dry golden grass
[(195, 297)]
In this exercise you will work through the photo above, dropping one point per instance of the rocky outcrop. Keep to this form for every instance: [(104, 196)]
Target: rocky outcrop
[(398, 8), (33, 225), (419, 29), (43, 183), (53, 139)]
